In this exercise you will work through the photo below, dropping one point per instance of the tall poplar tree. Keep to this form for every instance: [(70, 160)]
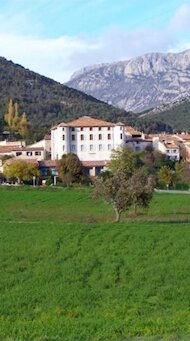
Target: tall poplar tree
[(16, 118), (23, 125), (9, 116)]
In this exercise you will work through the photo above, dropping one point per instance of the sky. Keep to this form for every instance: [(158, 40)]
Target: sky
[(58, 37)]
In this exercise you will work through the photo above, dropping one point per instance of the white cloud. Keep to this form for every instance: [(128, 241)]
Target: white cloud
[(59, 58), (181, 19)]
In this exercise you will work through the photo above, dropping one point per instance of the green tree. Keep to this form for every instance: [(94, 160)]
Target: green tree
[(21, 170), (114, 190), (122, 193), (70, 169), (141, 188), (179, 172), (128, 182), (125, 160), (166, 175)]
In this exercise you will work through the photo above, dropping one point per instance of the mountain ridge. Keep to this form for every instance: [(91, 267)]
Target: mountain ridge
[(137, 84), (46, 101)]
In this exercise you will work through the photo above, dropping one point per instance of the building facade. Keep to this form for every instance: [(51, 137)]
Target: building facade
[(90, 139), (167, 146)]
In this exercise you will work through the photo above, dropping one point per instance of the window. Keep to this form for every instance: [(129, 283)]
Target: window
[(63, 129), (91, 128), (73, 137), (29, 153), (91, 137), (100, 136), (174, 151), (81, 128), (73, 129), (73, 148), (37, 153), (121, 136), (99, 128), (109, 136), (63, 137), (109, 128), (109, 146), (120, 128), (18, 153), (91, 147), (63, 148), (82, 147), (100, 147), (82, 137)]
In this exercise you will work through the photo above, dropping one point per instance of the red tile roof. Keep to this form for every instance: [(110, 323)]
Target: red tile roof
[(13, 159), (53, 163), (47, 163), (132, 131), (171, 146), (63, 124), (86, 121), (8, 149), (185, 137), (96, 163), (89, 122), (30, 149)]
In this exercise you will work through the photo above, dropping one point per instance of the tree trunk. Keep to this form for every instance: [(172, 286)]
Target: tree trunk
[(117, 215), (135, 210)]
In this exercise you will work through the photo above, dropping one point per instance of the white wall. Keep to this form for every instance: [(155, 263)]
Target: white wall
[(138, 146), (46, 144), (87, 149)]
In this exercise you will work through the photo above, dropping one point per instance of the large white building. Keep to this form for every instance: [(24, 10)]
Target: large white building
[(89, 138)]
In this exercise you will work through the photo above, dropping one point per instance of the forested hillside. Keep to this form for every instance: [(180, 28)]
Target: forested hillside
[(174, 115), (46, 101)]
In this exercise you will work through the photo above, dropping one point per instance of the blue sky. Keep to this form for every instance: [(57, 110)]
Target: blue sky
[(57, 37)]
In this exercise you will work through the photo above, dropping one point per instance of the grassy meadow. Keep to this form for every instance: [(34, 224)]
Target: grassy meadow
[(69, 273)]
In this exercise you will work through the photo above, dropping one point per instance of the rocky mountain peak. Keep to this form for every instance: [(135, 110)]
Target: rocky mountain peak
[(149, 80)]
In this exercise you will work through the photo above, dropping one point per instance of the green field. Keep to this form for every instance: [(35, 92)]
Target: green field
[(68, 273)]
